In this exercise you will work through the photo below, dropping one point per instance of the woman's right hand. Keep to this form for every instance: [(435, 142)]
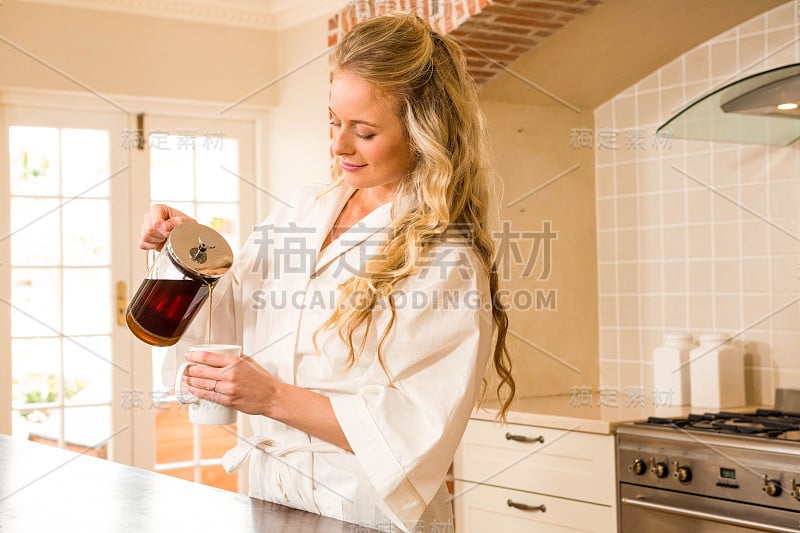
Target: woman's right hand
[(157, 225)]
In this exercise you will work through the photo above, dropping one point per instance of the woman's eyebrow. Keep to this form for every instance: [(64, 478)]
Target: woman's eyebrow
[(365, 122)]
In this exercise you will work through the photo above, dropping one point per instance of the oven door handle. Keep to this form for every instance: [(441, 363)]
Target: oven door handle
[(706, 516)]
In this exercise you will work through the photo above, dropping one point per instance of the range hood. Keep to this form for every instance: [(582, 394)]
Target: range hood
[(759, 109)]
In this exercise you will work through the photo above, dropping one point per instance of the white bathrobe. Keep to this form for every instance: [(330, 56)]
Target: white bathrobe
[(403, 423)]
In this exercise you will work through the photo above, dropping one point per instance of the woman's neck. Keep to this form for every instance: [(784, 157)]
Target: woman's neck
[(371, 198)]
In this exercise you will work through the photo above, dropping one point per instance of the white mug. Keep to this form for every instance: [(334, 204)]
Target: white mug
[(205, 411)]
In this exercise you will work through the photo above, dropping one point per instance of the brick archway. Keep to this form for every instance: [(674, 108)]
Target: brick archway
[(493, 33)]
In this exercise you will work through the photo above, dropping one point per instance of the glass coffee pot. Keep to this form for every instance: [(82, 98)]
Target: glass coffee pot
[(178, 283)]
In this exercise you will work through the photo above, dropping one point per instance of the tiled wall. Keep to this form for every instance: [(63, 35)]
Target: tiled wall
[(699, 236)]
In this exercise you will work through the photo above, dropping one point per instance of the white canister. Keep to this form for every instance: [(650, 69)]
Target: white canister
[(717, 373), (671, 368)]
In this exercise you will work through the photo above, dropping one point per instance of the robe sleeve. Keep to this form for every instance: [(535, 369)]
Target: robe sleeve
[(405, 432)]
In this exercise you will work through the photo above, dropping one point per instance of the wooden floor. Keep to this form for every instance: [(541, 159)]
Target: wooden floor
[(174, 443)]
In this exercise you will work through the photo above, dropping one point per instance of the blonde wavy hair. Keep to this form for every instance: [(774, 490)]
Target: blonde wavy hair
[(449, 185)]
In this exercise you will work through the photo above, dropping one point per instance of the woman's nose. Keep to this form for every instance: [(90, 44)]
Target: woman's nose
[(342, 143)]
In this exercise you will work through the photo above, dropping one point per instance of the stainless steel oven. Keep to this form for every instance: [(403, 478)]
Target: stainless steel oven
[(719, 472)]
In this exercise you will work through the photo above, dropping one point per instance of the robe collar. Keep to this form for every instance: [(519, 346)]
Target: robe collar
[(373, 228)]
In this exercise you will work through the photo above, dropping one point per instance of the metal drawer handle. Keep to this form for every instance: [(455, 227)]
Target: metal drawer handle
[(525, 507), (523, 438)]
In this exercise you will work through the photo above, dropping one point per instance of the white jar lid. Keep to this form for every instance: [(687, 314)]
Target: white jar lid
[(677, 336), (713, 339)]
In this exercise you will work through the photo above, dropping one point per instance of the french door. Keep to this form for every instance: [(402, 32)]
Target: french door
[(64, 243), (79, 184), (206, 169)]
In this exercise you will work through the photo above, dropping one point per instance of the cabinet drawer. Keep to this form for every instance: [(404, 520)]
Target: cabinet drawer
[(562, 463), (481, 508)]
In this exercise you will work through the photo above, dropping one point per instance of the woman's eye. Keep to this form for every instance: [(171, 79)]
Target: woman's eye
[(334, 123), (366, 137)]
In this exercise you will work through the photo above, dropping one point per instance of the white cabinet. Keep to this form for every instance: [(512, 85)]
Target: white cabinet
[(527, 478)]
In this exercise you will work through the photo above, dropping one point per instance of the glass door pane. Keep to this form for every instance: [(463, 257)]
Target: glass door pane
[(201, 168), (60, 201)]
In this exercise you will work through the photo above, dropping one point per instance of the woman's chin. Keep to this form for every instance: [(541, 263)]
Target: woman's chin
[(353, 180)]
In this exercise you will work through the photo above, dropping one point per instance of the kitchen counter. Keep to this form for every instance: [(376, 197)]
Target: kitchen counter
[(47, 489), (588, 412)]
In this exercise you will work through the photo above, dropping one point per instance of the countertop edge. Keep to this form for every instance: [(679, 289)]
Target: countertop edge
[(573, 423), (589, 415)]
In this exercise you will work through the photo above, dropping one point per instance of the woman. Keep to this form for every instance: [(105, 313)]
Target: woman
[(367, 310)]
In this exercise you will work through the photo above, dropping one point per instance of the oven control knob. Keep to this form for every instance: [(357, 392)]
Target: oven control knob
[(638, 467), (772, 487), (683, 474), (659, 469)]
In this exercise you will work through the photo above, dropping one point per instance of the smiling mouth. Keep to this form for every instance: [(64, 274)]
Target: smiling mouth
[(350, 166)]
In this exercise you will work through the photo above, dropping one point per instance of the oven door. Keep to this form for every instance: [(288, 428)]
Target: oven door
[(663, 511)]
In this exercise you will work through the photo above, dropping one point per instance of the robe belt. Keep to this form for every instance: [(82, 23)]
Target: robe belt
[(235, 457), (283, 475)]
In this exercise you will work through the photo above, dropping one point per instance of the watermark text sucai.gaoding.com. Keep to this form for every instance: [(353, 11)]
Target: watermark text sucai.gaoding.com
[(414, 299), (290, 250)]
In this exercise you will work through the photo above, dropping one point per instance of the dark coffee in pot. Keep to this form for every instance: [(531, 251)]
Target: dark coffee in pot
[(160, 311), (178, 283)]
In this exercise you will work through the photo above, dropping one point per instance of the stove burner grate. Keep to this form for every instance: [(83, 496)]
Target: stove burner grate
[(762, 423)]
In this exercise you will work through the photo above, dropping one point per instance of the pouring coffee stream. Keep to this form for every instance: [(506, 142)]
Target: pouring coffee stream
[(178, 283)]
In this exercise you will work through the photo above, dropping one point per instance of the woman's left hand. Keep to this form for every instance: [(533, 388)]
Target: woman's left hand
[(241, 383), (238, 382)]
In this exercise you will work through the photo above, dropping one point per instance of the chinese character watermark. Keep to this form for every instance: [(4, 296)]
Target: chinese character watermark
[(635, 139), (132, 139), (159, 140), (580, 396), (139, 400), (509, 250), (607, 139), (182, 139), (366, 9), (630, 139), (283, 250), (628, 397), (662, 140)]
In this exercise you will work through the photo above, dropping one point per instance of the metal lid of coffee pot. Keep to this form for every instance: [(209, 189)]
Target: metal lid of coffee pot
[(199, 251)]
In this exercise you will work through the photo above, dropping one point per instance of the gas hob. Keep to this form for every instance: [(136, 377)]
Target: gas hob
[(765, 423)]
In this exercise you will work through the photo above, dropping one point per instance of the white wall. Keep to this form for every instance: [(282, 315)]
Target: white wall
[(297, 137), (51, 47), (554, 347)]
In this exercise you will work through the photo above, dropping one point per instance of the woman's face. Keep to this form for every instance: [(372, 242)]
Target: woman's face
[(368, 136)]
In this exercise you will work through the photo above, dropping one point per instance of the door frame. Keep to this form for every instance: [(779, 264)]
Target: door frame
[(5, 281)]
